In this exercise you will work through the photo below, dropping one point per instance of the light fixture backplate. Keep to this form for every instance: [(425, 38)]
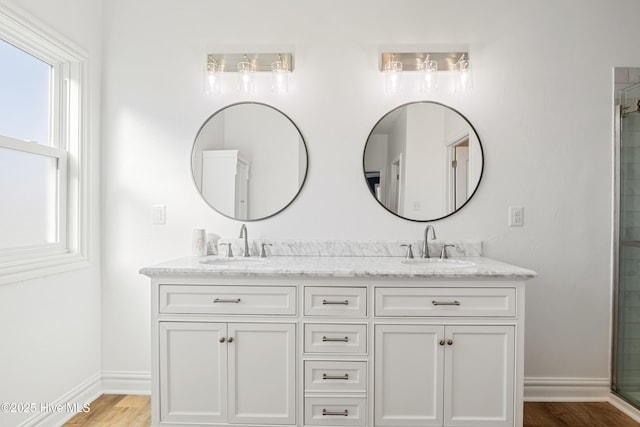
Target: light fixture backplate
[(411, 60), (228, 61)]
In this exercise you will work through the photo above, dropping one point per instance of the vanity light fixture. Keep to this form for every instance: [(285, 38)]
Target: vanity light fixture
[(212, 77), (428, 68), (392, 75), (429, 74), (246, 77), (248, 67), (279, 76), (463, 79)]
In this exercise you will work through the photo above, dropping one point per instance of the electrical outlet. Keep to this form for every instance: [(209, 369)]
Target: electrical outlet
[(158, 215), (516, 216)]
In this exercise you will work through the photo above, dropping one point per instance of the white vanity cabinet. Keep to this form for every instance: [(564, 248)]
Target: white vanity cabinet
[(227, 373), (429, 375), (453, 362), (219, 364), (336, 356), (371, 351)]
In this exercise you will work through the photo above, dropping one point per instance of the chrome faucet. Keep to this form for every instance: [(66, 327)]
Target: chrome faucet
[(409, 251), (263, 253), (444, 254), (425, 245), (244, 234), (229, 250)]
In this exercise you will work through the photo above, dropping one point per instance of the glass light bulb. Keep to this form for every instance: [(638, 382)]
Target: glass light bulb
[(212, 76), (279, 77), (393, 77), (429, 77), (246, 78), (464, 78)]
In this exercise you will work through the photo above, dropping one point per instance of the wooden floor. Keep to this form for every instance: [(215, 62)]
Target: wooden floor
[(563, 414), (134, 411), (115, 410)]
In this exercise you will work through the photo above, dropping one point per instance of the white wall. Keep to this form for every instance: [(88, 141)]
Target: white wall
[(50, 327), (541, 104), (424, 185)]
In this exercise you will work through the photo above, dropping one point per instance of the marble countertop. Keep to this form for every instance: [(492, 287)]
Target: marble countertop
[(339, 266)]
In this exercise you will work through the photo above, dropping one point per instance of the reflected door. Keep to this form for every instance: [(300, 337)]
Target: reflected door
[(225, 181), (461, 173), (396, 188)]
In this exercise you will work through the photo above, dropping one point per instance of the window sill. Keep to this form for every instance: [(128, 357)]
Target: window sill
[(40, 267)]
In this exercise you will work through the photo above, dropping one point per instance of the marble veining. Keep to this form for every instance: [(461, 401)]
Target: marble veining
[(334, 266), (352, 248)]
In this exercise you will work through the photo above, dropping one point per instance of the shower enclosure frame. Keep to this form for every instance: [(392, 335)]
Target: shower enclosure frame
[(615, 300), (617, 121)]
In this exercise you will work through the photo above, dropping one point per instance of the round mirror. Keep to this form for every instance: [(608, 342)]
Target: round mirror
[(249, 161), (423, 161)]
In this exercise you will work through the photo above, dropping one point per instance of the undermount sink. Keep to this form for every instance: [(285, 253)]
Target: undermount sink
[(440, 262), (232, 261)]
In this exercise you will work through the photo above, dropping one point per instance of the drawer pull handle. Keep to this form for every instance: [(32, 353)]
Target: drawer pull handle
[(345, 413), (235, 300), (335, 377), (445, 302), (325, 302), (325, 339)]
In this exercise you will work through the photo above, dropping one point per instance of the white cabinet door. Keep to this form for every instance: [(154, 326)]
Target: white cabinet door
[(479, 376), (193, 372), (262, 367), (409, 362)]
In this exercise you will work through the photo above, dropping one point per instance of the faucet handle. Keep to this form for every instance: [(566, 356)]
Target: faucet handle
[(229, 250), (443, 254), (409, 251), (263, 253)]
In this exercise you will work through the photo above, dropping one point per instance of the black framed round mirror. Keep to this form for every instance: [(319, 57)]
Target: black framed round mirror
[(423, 161), (249, 161)]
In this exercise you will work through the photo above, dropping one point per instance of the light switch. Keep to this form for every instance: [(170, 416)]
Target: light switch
[(158, 216)]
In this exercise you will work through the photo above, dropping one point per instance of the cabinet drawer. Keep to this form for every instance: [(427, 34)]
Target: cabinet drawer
[(403, 302), (335, 411), (336, 302), (335, 376), (335, 338), (185, 299)]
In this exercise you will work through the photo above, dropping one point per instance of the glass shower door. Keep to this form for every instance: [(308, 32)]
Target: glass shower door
[(626, 346)]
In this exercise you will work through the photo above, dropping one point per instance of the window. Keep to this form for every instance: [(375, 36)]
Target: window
[(43, 177)]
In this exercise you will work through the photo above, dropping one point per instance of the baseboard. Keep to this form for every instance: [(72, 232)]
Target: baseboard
[(126, 382), (123, 382), (625, 407), (58, 412), (566, 389)]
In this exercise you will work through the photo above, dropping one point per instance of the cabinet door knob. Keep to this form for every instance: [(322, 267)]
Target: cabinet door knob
[(449, 342), (222, 339), (230, 339), (441, 342)]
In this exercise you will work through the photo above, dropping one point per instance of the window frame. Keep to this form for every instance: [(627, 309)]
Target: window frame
[(69, 144)]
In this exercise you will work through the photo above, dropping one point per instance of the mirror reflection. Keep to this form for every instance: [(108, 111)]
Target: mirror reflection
[(423, 161), (249, 161)]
